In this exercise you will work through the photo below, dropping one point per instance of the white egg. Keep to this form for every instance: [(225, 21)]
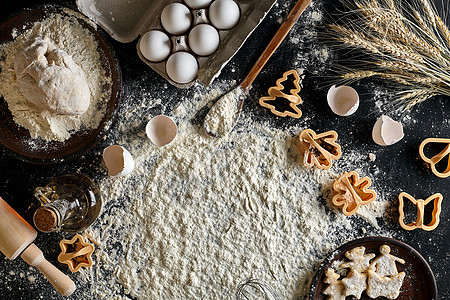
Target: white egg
[(203, 39), (155, 45), (196, 4), (176, 18), (182, 67), (224, 14), (343, 100), (161, 130), (386, 131), (118, 160)]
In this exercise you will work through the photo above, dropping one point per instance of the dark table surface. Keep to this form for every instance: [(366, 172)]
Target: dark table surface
[(400, 166)]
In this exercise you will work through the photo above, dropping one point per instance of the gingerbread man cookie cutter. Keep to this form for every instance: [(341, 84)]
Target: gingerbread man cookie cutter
[(420, 204), (351, 192), (277, 92), (76, 253), (320, 149), (433, 161)]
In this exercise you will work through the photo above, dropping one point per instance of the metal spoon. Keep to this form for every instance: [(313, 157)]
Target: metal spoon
[(224, 114)]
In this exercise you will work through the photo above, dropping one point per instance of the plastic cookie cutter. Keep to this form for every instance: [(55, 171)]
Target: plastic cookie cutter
[(320, 149), (351, 192), (438, 157), (277, 94), (436, 199), (76, 253)]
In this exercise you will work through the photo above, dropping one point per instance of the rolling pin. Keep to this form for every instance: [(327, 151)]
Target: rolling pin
[(16, 238)]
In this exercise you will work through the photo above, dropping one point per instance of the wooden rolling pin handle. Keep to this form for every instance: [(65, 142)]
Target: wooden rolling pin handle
[(62, 283)]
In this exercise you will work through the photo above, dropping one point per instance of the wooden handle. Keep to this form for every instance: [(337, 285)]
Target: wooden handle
[(275, 42), (62, 283)]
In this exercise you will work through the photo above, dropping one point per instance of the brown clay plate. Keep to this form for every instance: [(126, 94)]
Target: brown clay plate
[(16, 140), (419, 282)]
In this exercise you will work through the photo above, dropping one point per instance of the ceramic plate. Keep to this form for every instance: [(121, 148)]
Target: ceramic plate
[(419, 282), (16, 140)]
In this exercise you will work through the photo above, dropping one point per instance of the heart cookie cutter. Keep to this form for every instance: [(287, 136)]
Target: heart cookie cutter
[(76, 253), (351, 192), (320, 149), (277, 92), (433, 161), (420, 204)]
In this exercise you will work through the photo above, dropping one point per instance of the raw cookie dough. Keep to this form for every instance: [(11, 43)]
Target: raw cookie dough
[(50, 79)]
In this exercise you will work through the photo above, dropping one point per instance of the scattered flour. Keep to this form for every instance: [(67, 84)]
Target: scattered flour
[(78, 42)]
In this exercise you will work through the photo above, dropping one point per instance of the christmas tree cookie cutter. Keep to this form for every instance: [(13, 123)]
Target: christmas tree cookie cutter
[(276, 92), (351, 192), (76, 253), (436, 199), (320, 149), (433, 161)]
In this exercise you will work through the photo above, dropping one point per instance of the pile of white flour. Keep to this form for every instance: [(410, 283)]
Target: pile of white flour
[(79, 43)]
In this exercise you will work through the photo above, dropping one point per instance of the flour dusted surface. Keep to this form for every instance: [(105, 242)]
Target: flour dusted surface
[(79, 43)]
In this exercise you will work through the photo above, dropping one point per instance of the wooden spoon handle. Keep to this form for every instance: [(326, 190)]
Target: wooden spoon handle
[(275, 42)]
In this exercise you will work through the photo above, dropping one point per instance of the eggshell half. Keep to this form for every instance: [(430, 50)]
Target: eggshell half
[(161, 130), (343, 100), (118, 160), (387, 131), (224, 14)]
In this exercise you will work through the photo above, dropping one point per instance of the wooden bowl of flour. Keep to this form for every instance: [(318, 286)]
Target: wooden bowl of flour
[(16, 140)]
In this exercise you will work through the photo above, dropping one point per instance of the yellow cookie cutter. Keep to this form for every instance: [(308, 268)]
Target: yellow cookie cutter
[(420, 204), (76, 253), (320, 149), (351, 192), (438, 157), (276, 92)]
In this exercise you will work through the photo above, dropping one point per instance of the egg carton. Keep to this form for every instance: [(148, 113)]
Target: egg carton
[(127, 20)]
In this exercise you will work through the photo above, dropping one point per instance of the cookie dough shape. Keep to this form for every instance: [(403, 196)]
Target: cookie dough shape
[(355, 282), (319, 149), (335, 288), (50, 79), (351, 192), (76, 253), (436, 199), (433, 161), (276, 92)]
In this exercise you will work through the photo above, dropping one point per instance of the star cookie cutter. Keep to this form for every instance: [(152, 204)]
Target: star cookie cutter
[(76, 253), (351, 192), (433, 161), (420, 204), (277, 92), (320, 149)]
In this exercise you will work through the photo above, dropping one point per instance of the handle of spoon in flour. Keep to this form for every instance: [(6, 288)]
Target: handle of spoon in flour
[(277, 39)]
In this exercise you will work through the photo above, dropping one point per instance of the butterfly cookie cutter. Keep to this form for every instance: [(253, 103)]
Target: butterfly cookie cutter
[(351, 192), (320, 149), (277, 92), (433, 161), (76, 253), (420, 204)]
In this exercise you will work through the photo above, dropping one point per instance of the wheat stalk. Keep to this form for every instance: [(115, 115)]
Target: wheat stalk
[(405, 42)]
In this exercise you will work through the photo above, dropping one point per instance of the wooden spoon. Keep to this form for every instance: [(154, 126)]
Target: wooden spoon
[(220, 120)]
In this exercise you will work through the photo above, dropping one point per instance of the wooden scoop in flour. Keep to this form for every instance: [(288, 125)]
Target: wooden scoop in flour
[(225, 112), (16, 238)]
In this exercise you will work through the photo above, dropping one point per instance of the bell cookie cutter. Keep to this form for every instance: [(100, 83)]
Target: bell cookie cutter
[(420, 204), (351, 192), (277, 92), (433, 161), (76, 253), (320, 149)]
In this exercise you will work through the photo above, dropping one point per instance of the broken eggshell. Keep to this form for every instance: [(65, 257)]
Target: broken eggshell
[(343, 100), (118, 160), (161, 130), (387, 131)]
